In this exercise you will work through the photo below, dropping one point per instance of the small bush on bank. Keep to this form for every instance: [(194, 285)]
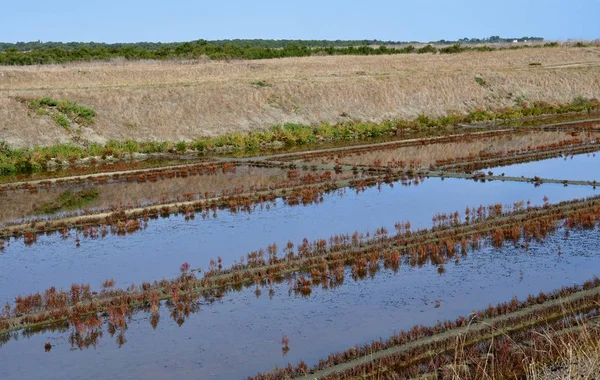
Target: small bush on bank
[(427, 49), (64, 112), (62, 121)]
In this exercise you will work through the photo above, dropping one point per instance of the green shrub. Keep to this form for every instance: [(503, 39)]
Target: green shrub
[(452, 118), (325, 130), (46, 101), (113, 148), (261, 83), (480, 81), (154, 147), (95, 150), (252, 142), (456, 48), (483, 48), (66, 110), (81, 114), (298, 133), (62, 121), (427, 122), (510, 114), (480, 115), (233, 140), (62, 151), (131, 146), (201, 145), (427, 49), (181, 146), (6, 168)]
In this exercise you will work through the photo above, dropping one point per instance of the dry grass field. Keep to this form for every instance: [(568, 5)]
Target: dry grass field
[(183, 100)]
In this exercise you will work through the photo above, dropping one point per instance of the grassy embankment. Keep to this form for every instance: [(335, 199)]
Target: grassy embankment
[(24, 160), (256, 105)]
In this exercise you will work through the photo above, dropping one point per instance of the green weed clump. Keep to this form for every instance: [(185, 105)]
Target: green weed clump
[(131, 146), (261, 83), (62, 121), (81, 114), (64, 111), (480, 81), (155, 147), (427, 49), (181, 147), (456, 48)]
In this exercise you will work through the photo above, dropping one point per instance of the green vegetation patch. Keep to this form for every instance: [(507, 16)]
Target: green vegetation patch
[(68, 201), (261, 83), (480, 81), (64, 112)]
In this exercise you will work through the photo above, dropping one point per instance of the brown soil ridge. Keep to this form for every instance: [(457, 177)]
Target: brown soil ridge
[(169, 101)]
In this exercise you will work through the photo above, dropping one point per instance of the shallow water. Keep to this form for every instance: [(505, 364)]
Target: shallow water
[(21, 204), (580, 167), (159, 250), (240, 335), (423, 156), (101, 167)]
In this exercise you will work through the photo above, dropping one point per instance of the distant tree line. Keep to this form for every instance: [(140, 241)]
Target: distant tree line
[(274, 44), (32, 53), (492, 40)]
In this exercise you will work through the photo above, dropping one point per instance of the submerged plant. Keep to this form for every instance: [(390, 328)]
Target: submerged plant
[(285, 341)]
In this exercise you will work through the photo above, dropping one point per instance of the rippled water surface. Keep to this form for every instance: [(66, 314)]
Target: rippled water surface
[(159, 250), (580, 167), (240, 335)]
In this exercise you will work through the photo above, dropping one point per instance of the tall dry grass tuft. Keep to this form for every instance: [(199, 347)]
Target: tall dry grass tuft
[(569, 352), (581, 359), (184, 100)]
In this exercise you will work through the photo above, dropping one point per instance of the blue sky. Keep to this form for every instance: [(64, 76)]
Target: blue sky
[(183, 20)]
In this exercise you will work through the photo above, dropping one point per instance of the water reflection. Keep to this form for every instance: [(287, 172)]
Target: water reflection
[(87, 331), (579, 167)]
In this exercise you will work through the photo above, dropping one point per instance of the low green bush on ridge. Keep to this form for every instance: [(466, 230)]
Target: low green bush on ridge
[(64, 111)]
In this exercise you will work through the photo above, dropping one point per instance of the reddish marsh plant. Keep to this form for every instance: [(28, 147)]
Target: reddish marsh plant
[(184, 267), (109, 283), (285, 341)]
